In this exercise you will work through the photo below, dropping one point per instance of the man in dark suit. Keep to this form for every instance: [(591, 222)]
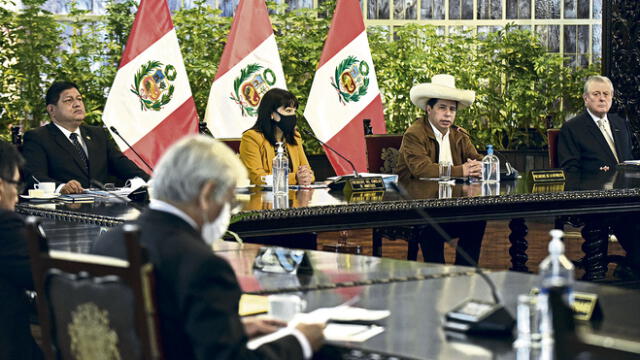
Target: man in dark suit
[(595, 140), (70, 153), (16, 341), (598, 141), (197, 292)]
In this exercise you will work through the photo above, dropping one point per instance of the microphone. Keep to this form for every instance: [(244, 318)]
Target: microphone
[(511, 172), (472, 316), (125, 200), (115, 131), (355, 172)]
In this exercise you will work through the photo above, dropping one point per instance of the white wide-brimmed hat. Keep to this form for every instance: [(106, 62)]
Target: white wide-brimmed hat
[(442, 86)]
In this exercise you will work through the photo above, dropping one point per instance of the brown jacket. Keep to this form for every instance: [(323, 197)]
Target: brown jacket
[(420, 150)]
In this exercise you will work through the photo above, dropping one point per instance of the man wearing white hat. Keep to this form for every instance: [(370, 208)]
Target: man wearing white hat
[(432, 139)]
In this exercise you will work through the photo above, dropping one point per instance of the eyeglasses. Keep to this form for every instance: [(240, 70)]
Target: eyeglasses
[(19, 185)]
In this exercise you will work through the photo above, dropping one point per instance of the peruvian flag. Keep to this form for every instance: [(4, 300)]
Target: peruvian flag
[(345, 90), (150, 102), (249, 67)]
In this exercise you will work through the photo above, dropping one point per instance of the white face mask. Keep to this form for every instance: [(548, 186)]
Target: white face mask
[(212, 231)]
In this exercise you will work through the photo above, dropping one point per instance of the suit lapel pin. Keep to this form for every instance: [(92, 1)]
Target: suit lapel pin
[(88, 138)]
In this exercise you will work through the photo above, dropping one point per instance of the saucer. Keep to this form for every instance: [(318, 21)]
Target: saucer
[(41, 197)]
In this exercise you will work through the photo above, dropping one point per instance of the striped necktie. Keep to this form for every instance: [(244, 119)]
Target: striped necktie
[(80, 151)]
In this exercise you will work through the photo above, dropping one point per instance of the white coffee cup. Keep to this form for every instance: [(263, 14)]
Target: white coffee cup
[(284, 307), (46, 187), (267, 180)]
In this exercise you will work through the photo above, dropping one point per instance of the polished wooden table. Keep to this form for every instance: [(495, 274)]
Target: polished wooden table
[(330, 271), (414, 329), (593, 196)]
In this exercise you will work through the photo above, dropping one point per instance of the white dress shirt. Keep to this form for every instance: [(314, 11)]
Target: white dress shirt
[(68, 133), (159, 205), (444, 144)]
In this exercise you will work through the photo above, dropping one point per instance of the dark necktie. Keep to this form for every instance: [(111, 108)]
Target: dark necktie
[(80, 151)]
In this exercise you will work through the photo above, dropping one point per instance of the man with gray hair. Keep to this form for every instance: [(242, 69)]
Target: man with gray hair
[(598, 141), (197, 293), (595, 140)]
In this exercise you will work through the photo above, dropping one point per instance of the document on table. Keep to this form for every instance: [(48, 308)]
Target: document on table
[(350, 332)]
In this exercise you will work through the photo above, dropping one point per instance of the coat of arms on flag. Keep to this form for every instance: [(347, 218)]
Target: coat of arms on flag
[(150, 102), (345, 90), (250, 66), (351, 80), (153, 85), (253, 82)]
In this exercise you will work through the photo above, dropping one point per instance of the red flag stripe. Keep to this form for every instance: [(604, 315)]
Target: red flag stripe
[(241, 42), (156, 141), (350, 140), (153, 21), (341, 32)]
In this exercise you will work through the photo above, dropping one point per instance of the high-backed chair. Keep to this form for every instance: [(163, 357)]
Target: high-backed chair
[(90, 304), (232, 143), (382, 157), (552, 148)]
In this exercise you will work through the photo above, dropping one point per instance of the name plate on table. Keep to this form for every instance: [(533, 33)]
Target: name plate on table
[(360, 184), (585, 305), (542, 176)]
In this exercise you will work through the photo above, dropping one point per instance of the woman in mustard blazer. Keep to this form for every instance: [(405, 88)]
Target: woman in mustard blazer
[(276, 123)]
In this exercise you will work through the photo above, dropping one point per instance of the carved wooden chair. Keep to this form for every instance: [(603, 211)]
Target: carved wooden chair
[(382, 157), (89, 305)]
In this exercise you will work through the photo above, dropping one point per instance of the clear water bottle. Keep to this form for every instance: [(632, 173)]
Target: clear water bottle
[(490, 166), (555, 271), (280, 172)]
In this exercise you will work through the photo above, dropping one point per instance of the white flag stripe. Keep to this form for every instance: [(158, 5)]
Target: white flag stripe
[(224, 116), (324, 109), (123, 109)]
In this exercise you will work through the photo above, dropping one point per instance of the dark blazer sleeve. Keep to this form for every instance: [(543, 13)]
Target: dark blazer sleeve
[(36, 160), (119, 164), (209, 304), (14, 257), (568, 149)]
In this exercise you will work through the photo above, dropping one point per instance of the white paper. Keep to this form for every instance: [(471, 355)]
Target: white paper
[(352, 333)]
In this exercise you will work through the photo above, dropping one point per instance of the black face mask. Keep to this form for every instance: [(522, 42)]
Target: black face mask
[(287, 123)]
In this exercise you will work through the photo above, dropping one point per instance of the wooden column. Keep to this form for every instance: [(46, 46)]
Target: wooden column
[(621, 59)]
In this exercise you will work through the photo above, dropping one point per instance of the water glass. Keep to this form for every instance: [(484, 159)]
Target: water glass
[(445, 170), (528, 321)]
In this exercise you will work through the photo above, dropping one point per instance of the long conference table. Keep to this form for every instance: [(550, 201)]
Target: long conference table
[(418, 295), (596, 198)]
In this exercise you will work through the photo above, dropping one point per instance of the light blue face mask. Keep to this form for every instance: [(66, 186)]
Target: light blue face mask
[(215, 230)]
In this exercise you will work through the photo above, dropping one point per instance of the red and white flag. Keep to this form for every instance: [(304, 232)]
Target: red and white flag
[(345, 90), (249, 67), (150, 102)]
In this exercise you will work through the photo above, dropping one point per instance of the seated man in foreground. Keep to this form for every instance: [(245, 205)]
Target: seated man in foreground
[(69, 153), (433, 139), (197, 292)]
